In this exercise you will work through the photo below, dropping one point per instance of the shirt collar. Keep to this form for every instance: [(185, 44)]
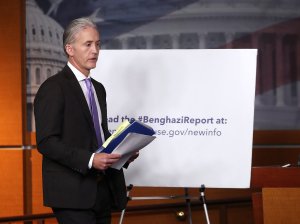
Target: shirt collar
[(79, 76)]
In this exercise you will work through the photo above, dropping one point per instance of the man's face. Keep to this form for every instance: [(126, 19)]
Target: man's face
[(83, 52)]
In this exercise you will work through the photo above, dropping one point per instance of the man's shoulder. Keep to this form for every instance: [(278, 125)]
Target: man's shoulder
[(58, 77), (54, 83), (62, 74), (97, 83)]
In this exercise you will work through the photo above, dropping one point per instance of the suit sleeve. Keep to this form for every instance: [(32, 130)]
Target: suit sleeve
[(49, 116)]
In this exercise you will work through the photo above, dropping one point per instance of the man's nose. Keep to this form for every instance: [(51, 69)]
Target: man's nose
[(95, 48)]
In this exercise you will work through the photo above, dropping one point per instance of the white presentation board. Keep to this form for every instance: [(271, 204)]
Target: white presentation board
[(199, 102)]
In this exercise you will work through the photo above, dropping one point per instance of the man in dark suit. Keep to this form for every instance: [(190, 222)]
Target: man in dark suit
[(78, 184)]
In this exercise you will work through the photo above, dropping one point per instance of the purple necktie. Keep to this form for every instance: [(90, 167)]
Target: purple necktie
[(93, 109)]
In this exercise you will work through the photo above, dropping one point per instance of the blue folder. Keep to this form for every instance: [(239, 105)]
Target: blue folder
[(134, 127)]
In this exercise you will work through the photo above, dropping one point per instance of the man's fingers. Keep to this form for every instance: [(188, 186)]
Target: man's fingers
[(114, 156)]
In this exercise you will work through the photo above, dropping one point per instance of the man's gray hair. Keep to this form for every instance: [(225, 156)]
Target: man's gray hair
[(74, 28)]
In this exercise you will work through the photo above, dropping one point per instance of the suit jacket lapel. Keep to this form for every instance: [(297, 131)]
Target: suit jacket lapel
[(100, 96), (75, 86), (101, 99)]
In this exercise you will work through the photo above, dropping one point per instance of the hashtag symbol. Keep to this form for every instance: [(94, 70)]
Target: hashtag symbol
[(140, 118)]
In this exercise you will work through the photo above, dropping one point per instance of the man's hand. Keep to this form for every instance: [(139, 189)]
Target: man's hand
[(102, 161)]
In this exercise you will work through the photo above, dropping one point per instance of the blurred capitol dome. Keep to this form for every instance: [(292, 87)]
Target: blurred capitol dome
[(44, 52)]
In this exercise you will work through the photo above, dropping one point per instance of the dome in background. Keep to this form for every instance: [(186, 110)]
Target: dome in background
[(43, 34), (44, 52)]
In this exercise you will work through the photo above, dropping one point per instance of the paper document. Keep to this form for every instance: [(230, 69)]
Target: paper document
[(131, 144), (128, 138)]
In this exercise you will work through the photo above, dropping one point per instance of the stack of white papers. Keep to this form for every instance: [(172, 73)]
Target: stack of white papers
[(129, 138)]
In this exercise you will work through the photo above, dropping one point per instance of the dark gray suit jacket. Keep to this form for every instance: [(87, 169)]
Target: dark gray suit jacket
[(66, 138)]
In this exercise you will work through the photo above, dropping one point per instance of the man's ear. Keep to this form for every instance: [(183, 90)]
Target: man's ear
[(69, 49)]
